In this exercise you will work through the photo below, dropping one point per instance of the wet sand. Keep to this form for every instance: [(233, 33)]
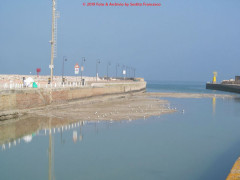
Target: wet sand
[(113, 107), (117, 107)]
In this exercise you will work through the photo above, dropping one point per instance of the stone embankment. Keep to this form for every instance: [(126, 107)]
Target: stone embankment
[(13, 101)]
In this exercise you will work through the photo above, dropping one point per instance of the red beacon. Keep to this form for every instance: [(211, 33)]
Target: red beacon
[(38, 71)]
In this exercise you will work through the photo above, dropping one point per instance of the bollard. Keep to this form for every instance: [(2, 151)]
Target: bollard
[(55, 85)]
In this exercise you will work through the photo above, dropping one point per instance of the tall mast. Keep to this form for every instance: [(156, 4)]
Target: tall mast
[(53, 41)]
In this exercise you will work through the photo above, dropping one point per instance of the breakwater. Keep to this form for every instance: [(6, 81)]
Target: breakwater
[(224, 87), (13, 100)]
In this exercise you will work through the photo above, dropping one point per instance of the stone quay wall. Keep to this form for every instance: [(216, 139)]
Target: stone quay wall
[(39, 97)]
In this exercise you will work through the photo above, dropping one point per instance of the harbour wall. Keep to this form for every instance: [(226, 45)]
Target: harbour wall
[(31, 98), (224, 87)]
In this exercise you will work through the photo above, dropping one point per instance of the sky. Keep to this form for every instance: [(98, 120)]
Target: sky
[(182, 40)]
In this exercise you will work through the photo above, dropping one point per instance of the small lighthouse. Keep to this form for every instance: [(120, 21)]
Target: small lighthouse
[(214, 77)]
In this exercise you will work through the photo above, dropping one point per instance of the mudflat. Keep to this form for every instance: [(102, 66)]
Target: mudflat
[(111, 107), (117, 107)]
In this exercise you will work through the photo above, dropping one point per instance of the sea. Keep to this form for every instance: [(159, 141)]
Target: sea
[(201, 141)]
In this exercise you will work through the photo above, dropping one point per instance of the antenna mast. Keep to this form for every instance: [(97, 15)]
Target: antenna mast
[(53, 41)]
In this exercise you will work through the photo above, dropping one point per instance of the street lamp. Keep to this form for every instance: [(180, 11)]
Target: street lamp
[(117, 69), (108, 64), (134, 70), (64, 59), (83, 60), (123, 70), (131, 72), (127, 72), (97, 62)]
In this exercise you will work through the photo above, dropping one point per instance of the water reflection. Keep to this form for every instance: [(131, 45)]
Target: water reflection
[(51, 152), (75, 137), (25, 130), (237, 99), (214, 105)]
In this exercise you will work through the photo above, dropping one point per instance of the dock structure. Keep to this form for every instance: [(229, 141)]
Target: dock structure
[(226, 85)]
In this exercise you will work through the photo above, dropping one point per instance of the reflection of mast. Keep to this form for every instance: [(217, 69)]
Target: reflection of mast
[(50, 153), (50, 156)]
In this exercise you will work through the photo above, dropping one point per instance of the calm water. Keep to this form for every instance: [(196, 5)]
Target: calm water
[(200, 144)]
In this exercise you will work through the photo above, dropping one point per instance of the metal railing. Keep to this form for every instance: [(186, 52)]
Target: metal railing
[(15, 86)]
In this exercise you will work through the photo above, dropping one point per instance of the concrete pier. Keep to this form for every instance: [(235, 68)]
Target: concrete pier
[(224, 87)]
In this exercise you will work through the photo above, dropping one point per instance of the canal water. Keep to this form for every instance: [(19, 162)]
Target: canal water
[(199, 142)]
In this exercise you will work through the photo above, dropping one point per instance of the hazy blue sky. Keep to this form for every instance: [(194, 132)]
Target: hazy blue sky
[(181, 40)]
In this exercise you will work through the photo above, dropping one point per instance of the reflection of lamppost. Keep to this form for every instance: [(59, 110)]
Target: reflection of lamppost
[(64, 59), (83, 60), (117, 69), (108, 64), (97, 62)]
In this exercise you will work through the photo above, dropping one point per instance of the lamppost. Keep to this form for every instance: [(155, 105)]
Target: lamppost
[(97, 62), (83, 60), (127, 71), (64, 59), (108, 64), (131, 72), (134, 70), (117, 69), (123, 70)]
